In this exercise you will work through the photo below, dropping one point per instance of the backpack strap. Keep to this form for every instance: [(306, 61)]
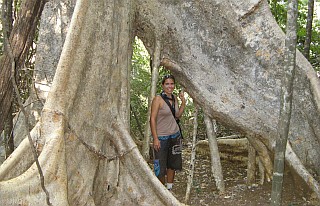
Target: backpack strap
[(171, 106)]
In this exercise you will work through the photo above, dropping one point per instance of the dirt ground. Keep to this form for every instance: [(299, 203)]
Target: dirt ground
[(237, 193)]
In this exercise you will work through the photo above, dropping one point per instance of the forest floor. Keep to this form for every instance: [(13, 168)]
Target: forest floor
[(237, 193)]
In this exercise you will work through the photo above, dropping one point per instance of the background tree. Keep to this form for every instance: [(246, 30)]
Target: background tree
[(21, 38), (7, 21), (307, 41)]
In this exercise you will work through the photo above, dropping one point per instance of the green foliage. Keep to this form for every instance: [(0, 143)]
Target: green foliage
[(315, 46), (279, 11), (140, 88)]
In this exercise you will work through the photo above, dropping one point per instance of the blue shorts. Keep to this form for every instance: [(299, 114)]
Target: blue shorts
[(169, 154)]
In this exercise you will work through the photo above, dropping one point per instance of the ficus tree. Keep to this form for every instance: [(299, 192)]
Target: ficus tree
[(226, 54)]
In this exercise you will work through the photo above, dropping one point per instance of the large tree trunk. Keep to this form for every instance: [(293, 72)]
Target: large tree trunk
[(227, 54)]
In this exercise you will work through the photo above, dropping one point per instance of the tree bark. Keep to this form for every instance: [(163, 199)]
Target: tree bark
[(153, 90), (54, 23), (285, 101), (193, 154), (216, 167), (263, 154), (8, 135), (7, 16), (261, 172), (307, 41), (21, 38), (251, 170)]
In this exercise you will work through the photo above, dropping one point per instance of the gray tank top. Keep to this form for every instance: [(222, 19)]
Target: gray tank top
[(166, 124)]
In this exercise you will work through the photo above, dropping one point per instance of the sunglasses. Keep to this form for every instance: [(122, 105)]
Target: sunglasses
[(168, 76)]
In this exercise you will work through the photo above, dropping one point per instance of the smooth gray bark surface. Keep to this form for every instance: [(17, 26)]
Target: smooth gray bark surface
[(288, 74), (216, 167)]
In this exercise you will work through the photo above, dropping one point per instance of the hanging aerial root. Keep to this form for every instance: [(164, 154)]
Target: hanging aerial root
[(263, 155), (295, 163), (214, 153), (155, 75), (98, 152)]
